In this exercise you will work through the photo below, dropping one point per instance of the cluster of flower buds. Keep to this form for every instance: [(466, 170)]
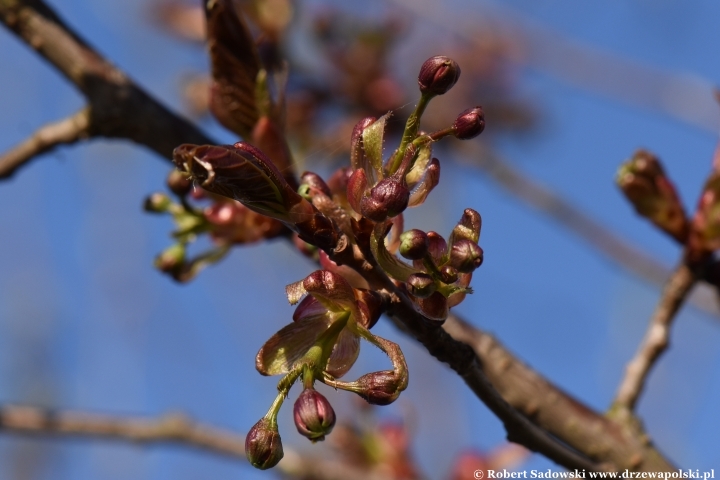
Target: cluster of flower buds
[(322, 344), (645, 184), (227, 222), (441, 272), (358, 211)]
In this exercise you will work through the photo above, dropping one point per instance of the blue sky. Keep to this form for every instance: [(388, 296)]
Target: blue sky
[(86, 323)]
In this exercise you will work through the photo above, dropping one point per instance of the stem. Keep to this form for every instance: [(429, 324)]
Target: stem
[(656, 339), (411, 128)]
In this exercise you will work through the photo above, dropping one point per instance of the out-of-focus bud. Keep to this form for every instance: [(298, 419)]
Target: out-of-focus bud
[(313, 414), (381, 388), (469, 124), (314, 181), (438, 75), (645, 184), (263, 446), (466, 256), (413, 244), (338, 181), (179, 183), (449, 274), (157, 203), (421, 285), (171, 259), (705, 228), (388, 198)]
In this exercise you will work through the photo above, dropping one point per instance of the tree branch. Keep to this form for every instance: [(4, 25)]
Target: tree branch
[(656, 339), (607, 442), (118, 108), (68, 130), (171, 428)]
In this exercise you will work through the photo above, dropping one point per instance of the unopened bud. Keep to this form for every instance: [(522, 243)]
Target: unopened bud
[(171, 259), (438, 75), (413, 244), (157, 203), (469, 124), (179, 183), (388, 198), (437, 246), (381, 388), (314, 181), (313, 414), (449, 274), (421, 285), (466, 256), (263, 446), (643, 181)]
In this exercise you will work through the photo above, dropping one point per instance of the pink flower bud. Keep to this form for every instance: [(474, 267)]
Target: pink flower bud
[(381, 388), (438, 75), (413, 244), (388, 198), (263, 446), (466, 256), (469, 124), (421, 285), (313, 414)]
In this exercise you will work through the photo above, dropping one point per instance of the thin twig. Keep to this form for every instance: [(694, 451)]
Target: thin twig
[(657, 337), (172, 428), (68, 130), (118, 108)]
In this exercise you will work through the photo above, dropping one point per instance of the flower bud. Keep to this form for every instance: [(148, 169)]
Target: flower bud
[(179, 183), (413, 244), (437, 246), (645, 184), (313, 414), (466, 256), (171, 259), (381, 388), (263, 446), (157, 203), (449, 274), (469, 124), (314, 181), (421, 285), (438, 75), (388, 198)]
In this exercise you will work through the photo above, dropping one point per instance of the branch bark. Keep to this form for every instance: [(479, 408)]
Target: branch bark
[(656, 339), (171, 428), (612, 444), (68, 130), (117, 107), (120, 109)]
